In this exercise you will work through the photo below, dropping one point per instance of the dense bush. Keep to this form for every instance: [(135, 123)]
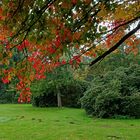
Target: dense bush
[(70, 91), (131, 105), (44, 100), (6, 95), (114, 93)]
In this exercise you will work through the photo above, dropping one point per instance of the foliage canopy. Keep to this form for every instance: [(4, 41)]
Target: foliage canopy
[(38, 36)]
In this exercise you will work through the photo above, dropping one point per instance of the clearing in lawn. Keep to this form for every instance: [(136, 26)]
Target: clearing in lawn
[(24, 122)]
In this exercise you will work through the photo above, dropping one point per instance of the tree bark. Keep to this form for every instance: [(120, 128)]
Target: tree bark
[(59, 101)]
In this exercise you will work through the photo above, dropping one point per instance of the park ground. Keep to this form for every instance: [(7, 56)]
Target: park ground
[(24, 122)]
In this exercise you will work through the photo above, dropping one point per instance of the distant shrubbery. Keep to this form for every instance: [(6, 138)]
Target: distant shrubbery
[(71, 92), (7, 96), (115, 93)]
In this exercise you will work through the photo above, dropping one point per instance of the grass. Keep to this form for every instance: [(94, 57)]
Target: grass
[(24, 122)]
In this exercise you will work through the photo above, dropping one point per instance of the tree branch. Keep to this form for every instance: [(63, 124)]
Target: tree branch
[(120, 25), (23, 29), (116, 45)]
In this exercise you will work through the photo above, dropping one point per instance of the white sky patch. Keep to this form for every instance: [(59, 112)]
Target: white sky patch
[(134, 25)]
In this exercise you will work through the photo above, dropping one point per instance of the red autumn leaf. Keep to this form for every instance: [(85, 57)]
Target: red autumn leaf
[(26, 43), (71, 62), (27, 88), (5, 80), (57, 42), (63, 62), (19, 47), (19, 100), (94, 55), (77, 59), (50, 49), (74, 2)]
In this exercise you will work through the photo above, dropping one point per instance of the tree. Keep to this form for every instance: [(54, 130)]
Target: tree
[(59, 88), (39, 36)]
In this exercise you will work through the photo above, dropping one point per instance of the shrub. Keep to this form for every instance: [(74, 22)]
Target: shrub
[(70, 92), (107, 105), (6, 95), (131, 105), (113, 94), (88, 100), (44, 100)]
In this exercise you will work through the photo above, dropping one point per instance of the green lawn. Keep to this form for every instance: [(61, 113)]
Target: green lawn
[(24, 122)]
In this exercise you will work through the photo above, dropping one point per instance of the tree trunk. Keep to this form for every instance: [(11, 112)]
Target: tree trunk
[(59, 101)]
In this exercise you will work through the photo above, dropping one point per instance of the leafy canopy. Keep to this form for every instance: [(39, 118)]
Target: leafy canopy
[(38, 36)]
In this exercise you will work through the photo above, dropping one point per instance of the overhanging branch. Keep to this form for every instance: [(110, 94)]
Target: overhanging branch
[(116, 45)]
